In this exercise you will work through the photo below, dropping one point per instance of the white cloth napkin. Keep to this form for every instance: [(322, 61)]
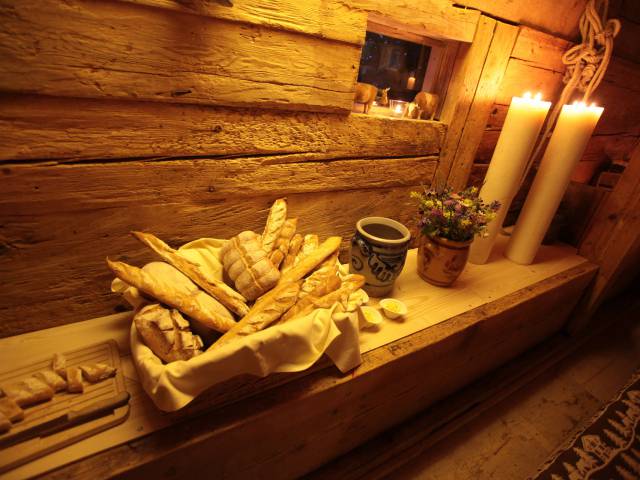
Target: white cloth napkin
[(289, 347)]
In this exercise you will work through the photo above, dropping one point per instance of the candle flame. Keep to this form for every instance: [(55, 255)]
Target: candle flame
[(527, 95), (538, 96), (593, 105)]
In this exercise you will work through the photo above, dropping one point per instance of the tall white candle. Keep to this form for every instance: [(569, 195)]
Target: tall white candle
[(568, 142), (521, 128)]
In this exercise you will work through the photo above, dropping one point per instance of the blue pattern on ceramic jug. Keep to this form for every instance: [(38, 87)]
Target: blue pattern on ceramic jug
[(384, 262)]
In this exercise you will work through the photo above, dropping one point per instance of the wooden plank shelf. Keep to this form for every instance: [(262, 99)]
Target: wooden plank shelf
[(450, 337)]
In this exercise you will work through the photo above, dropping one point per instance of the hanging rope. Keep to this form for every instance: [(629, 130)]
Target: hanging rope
[(586, 63)]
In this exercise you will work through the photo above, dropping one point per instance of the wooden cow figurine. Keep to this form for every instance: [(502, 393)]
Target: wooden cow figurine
[(367, 93), (427, 103)]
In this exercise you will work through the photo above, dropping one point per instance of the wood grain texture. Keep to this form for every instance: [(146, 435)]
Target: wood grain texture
[(558, 18), (334, 413), (613, 241), (462, 87), (539, 49), (502, 43), (432, 18), (111, 49), (65, 129), (521, 77), (332, 20), (60, 222)]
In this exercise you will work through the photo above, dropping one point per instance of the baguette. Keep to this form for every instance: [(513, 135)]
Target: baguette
[(267, 310), (182, 294), (350, 284), (10, 409), (275, 222), (5, 424), (326, 271), (96, 372), (53, 379), (326, 285), (74, 380), (217, 289), (309, 244), (29, 391), (281, 246), (294, 247), (307, 264)]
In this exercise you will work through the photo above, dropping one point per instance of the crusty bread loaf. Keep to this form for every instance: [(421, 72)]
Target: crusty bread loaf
[(10, 409), (309, 243), (59, 364), (217, 289), (275, 222), (319, 278), (74, 380), (322, 286), (96, 372), (172, 288), (315, 258), (281, 246), (294, 247), (5, 424), (28, 391), (53, 379), (167, 333), (350, 284), (267, 310), (248, 265)]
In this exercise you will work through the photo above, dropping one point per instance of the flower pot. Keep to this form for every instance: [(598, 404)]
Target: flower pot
[(441, 261)]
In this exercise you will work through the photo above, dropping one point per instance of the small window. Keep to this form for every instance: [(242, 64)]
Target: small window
[(401, 64), (393, 63)]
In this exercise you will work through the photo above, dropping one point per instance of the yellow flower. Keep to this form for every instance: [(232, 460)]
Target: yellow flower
[(465, 222), (428, 204), (467, 202)]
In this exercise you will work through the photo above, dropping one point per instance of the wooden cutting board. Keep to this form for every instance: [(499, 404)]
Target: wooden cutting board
[(105, 352)]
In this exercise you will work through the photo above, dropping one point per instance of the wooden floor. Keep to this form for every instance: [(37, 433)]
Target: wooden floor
[(513, 438)]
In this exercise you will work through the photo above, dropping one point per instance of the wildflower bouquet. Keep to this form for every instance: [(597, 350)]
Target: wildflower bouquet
[(454, 216)]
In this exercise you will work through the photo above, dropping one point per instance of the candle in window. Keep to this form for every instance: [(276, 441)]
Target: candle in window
[(519, 133), (411, 82), (568, 142)]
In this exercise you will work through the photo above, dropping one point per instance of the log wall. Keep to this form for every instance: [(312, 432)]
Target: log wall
[(536, 65), (187, 119)]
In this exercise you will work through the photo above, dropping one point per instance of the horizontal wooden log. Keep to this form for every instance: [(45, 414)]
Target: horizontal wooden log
[(551, 16), (66, 129), (111, 49), (521, 77), (539, 49), (60, 222), (333, 414), (430, 18), (331, 20)]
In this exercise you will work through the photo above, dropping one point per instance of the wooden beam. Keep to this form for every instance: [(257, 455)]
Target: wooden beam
[(334, 413), (67, 129), (331, 20), (558, 18), (431, 18), (504, 38), (612, 242), (121, 50), (382, 456), (470, 97), (466, 75), (60, 222)]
